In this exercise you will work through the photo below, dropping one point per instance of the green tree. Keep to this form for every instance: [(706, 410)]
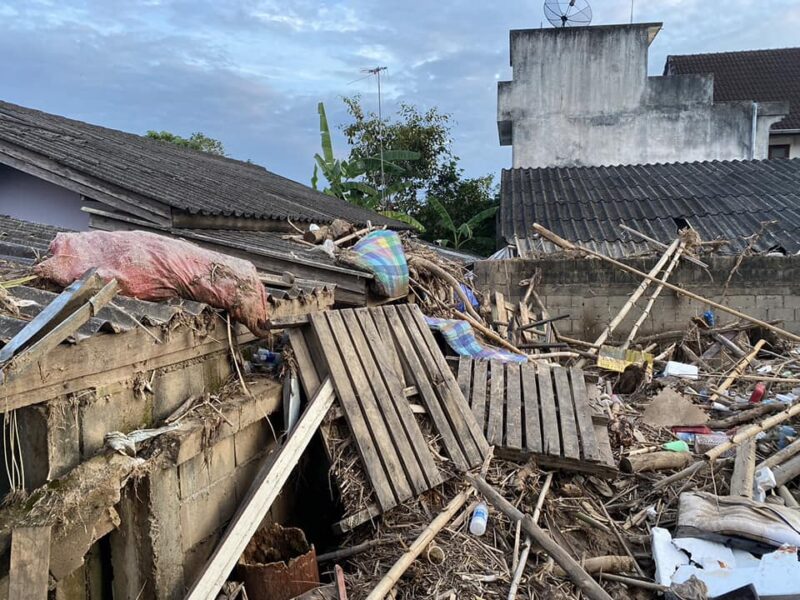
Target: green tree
[(425, 133), (459, 212), (196, 141)]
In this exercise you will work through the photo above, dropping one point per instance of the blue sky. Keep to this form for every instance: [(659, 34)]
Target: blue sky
[(250, 72)]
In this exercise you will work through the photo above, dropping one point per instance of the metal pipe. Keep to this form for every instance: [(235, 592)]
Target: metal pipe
[(754, 131)]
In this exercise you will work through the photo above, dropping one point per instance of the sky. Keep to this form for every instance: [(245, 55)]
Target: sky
[(250, 72)]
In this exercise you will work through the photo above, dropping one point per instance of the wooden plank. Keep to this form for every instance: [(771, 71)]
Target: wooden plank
[(30, 563), (398, 396), (600, 423), (465, 375), (551, 439), (305, 364), (533, 431), (402, 428), (429, 397), (455, 400), (494, 428), (375, 419), (266, 486), (570, 444), (513, 407), (388, 339), (744, 469), (478, 400), (355, 418), (583, 415), (499, 314)]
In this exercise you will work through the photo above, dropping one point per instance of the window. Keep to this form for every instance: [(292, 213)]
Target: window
[(781, 151)]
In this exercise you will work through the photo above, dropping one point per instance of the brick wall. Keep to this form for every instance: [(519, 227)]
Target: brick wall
[(592, 291)]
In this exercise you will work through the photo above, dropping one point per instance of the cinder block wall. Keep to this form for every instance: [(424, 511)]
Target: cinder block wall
[(592, 291)]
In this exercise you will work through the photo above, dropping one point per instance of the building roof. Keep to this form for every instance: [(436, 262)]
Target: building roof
[(23, 241), (720, 199), (760, 75), (155, 178)]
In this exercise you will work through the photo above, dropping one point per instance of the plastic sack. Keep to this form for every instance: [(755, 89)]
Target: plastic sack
[(148, 266)]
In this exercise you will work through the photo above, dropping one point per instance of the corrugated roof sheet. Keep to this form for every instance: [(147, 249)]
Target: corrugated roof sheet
[(760, 75), (181, 178), (23, 241), (721, 200)]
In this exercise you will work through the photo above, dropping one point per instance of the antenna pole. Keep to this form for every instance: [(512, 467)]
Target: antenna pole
[(377, 72)]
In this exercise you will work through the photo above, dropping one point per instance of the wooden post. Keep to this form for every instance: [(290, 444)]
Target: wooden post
[(590, 588), (655, 461), (744, 470), (544, 232), (30, 563), (265, 488)]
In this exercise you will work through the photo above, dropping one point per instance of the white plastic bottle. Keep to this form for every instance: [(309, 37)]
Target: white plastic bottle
[(480, 518)]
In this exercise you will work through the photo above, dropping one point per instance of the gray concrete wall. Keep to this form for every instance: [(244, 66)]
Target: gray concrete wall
[(792, 140), (592, 292), (581, 96), (26, 197)]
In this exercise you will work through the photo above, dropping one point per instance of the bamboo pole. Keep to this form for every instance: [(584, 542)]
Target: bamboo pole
[(658, 244), (646, 312), (753, 430), (523, 557), (454, 283), (488, 332), (590, 588), (737, 372), (780, 456), (559, 241), (426, 537), (634, 297)]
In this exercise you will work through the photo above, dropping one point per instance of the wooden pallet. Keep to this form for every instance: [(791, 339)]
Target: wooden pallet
[(370, 355), (535, 410)]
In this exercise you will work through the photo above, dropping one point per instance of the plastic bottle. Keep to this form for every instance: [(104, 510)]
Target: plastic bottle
[(480, 518)]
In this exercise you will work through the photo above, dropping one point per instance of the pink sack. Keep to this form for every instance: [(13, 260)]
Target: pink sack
[(148, 266)]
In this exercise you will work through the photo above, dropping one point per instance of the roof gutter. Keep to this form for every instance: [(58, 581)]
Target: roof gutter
[(754, 131)]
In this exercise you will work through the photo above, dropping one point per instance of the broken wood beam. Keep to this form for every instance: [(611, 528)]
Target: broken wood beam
[(603, 564), (544, 232), (744, 470), (265, 488), (780, 456), (745, 416), (787, 471), (737, 372), (590, 588), (389, 580), (29, 571)]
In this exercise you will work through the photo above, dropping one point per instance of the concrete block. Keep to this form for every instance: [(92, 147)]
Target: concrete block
[(194, 476), (250, 441), (166, 533), (769, 301), (195, 559), (63, 438), (207, 511), (216, 371), (245, 474), (172, 387), (121, 411), (221, 459), (787, 315)]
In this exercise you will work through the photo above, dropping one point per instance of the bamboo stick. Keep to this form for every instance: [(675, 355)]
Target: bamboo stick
[(603, 564), (426, 537), (454, 283), (523, 557), (753, 430), (726, 309), (646, 312), (737, 372), (658, 244), (780, 456), (488, 332), (590, 588), (634, 297)]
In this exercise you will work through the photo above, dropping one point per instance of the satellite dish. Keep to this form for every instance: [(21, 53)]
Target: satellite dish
[(568, 13)]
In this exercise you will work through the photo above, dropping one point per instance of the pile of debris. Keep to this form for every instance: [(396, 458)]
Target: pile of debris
[(473, 451)]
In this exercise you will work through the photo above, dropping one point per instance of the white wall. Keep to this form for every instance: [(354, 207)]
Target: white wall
[(28, 198), (793, 140), (581, 96)]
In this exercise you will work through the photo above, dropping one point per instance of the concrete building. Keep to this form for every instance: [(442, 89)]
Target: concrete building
[(582, 96), (758, 75)]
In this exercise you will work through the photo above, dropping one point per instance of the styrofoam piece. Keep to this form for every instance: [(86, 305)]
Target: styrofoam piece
[(666, 556), (679, 369)]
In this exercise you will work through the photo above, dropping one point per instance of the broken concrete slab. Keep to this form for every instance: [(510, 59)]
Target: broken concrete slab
[(669, 408)]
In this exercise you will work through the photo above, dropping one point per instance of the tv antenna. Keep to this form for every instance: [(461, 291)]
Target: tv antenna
[(568, 13), (376, 71)]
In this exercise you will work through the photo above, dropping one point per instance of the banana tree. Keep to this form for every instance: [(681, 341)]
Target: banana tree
[(346, 179), (463, 233)]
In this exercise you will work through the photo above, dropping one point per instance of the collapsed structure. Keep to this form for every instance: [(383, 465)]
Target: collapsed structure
[(236, 387)]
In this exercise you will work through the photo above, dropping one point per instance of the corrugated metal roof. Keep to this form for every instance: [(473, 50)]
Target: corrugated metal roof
[(720, 199), (759, 75), (23, 241), (180, 178)]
